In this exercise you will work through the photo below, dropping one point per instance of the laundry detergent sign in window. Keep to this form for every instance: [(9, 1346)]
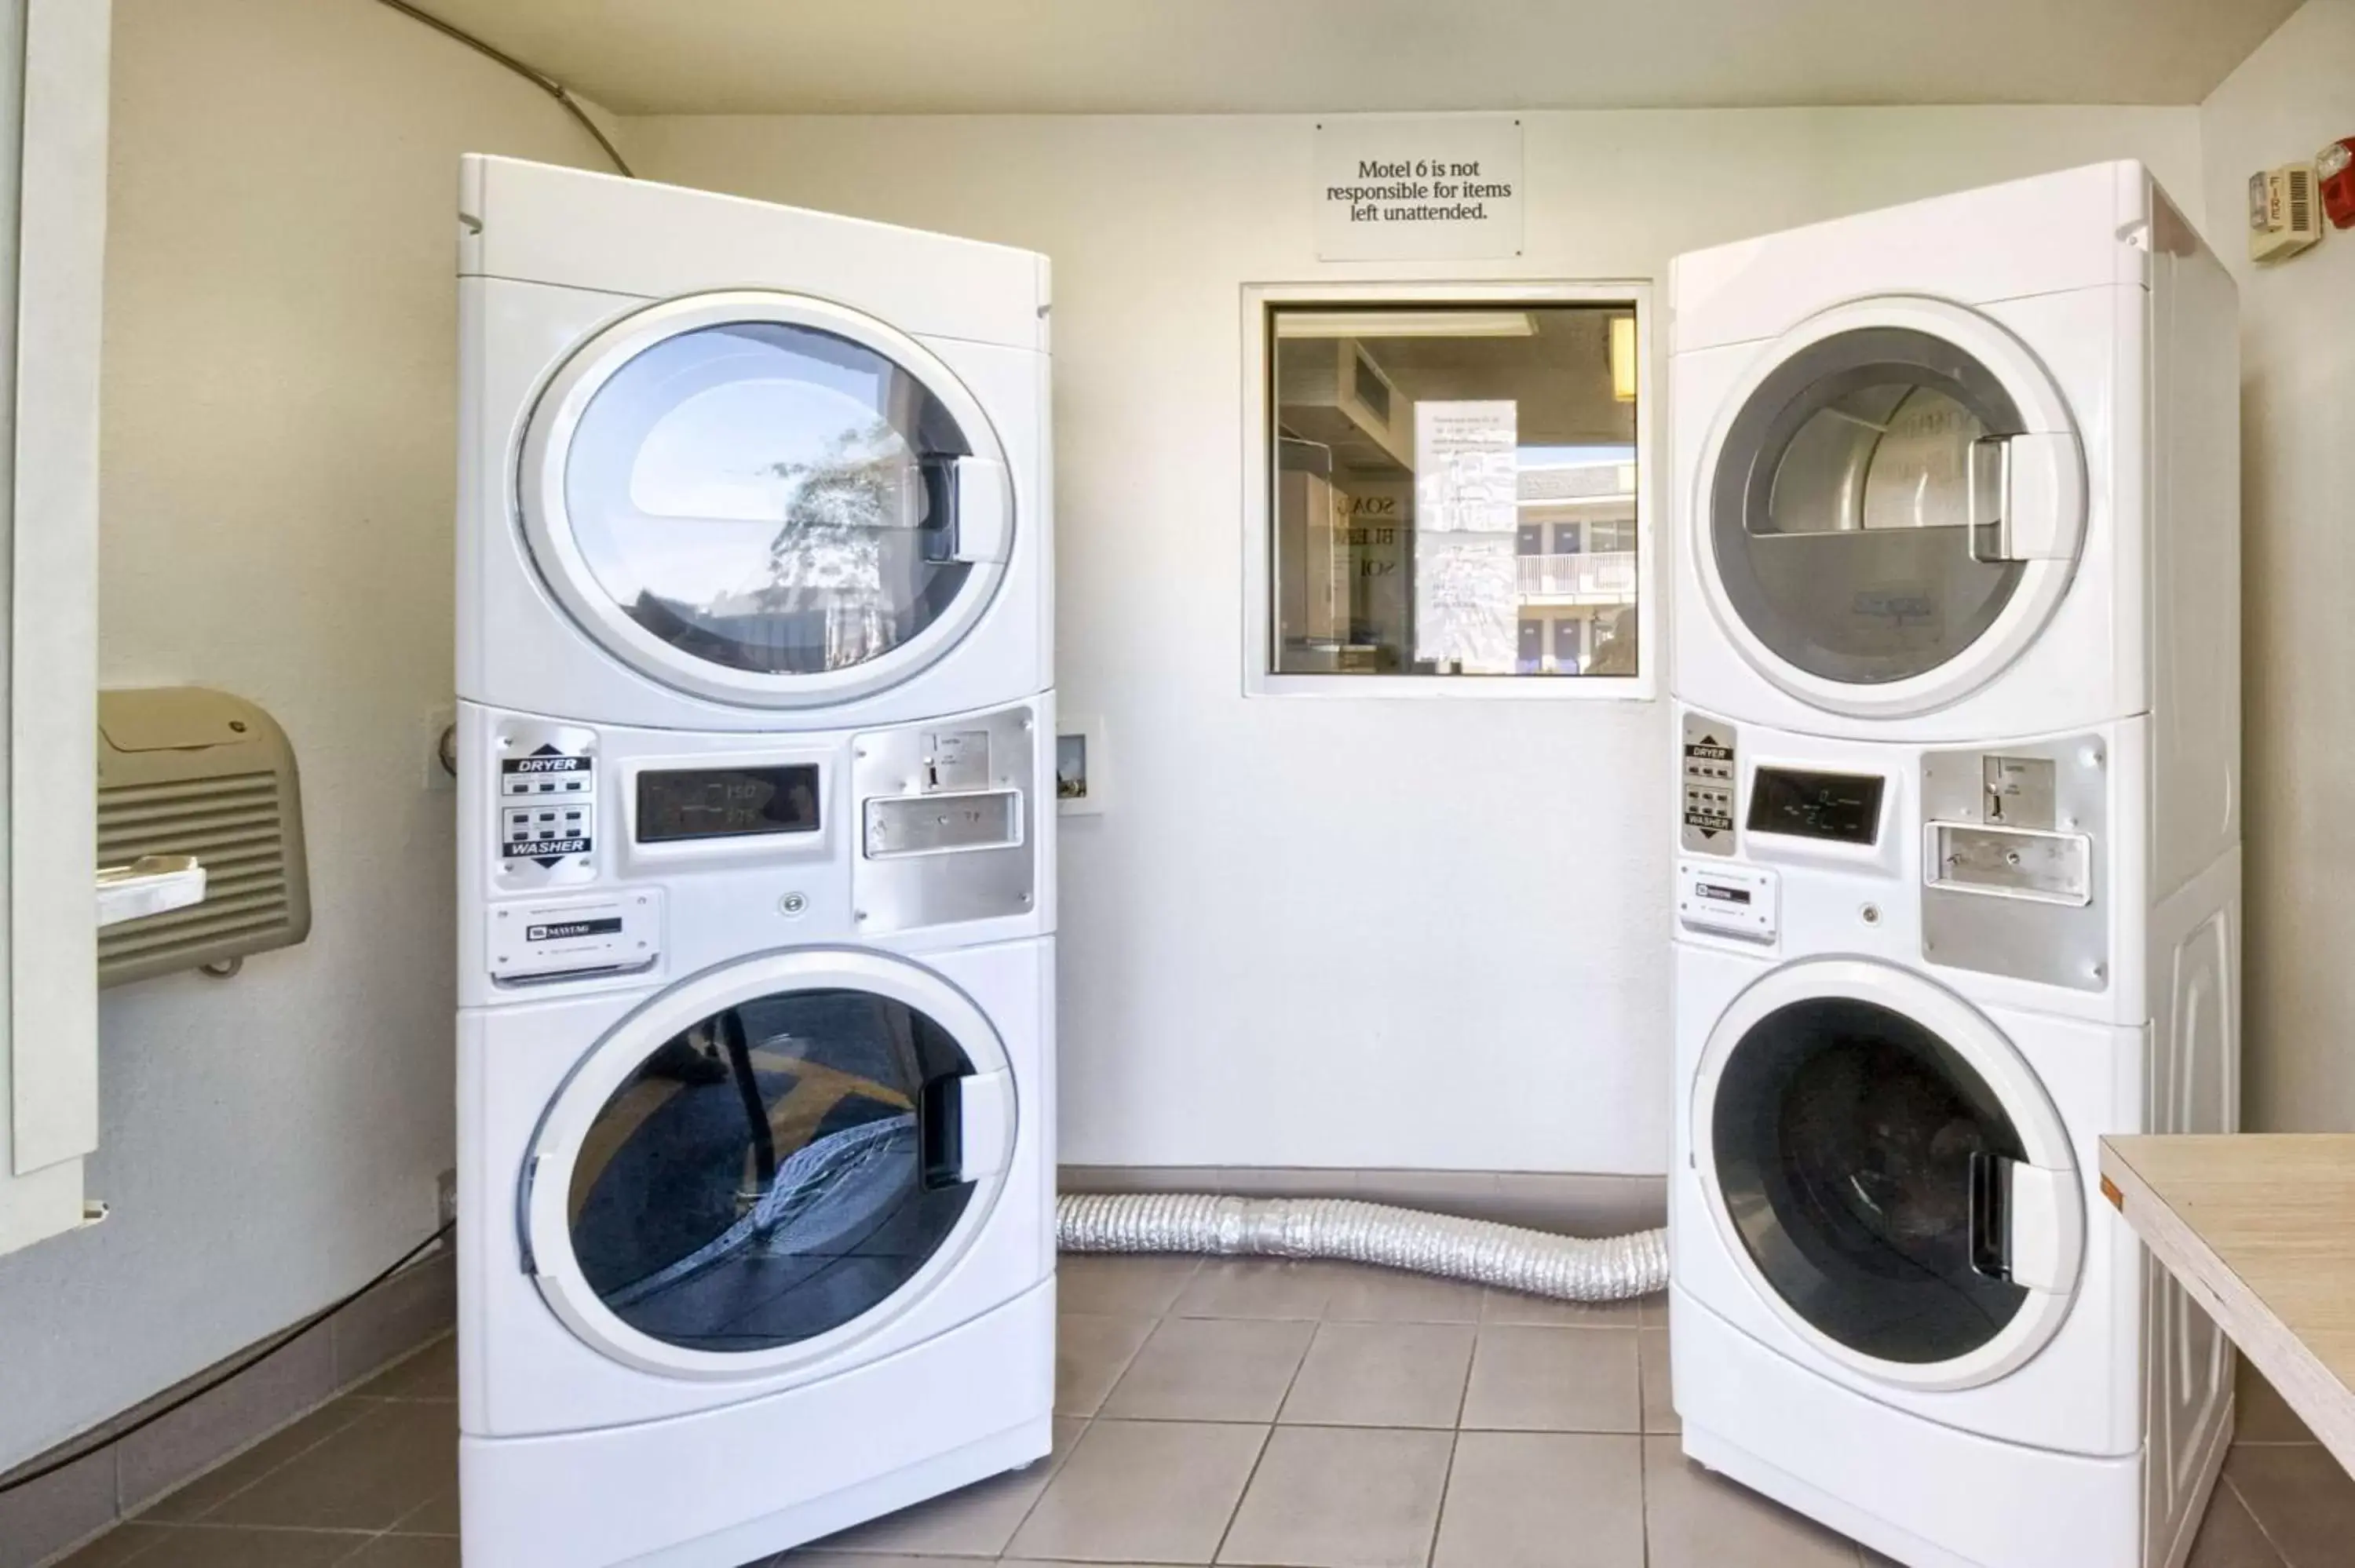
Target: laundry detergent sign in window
[(1442, 186)]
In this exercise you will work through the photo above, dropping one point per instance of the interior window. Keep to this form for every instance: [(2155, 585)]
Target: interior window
[(1455, 490)]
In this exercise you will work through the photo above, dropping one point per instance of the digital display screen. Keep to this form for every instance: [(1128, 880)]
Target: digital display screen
[(1844, 808), (727, 802)]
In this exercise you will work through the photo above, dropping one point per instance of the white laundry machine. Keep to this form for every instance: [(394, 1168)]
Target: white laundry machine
[(756, 1115), (1914, 986), (756, 871), (1960, 469), (727, 465)]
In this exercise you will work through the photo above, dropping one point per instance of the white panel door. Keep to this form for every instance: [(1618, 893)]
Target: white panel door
[(53, 108)]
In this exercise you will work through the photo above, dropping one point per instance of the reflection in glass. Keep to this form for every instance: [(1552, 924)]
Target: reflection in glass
[(762, 1179), (1844, 1135), (768, 498), (1454, 491)]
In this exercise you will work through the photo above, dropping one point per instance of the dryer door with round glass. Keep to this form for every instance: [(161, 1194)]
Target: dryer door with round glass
[(1888, 1174), (767, 1161), (765, 500), (1891, 507)]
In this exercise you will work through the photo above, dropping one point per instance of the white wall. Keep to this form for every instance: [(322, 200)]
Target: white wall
[(2297, 448), (1354, 933), (277, 493)]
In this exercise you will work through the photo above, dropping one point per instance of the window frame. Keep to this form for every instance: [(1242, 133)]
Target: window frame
[(1260, 303)]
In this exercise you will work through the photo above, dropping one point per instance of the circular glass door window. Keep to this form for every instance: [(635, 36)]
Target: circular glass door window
[(774, 1172), (1840, 508), (1849, 1139), (768, 497)]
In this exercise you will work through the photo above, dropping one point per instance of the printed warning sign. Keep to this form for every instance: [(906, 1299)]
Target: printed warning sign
[(1438, 186)]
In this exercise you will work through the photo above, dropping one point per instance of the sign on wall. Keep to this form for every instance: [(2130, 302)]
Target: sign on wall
[(1402, 187)]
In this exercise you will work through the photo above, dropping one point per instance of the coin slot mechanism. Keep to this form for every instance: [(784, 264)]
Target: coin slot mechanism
[(2018, 791)]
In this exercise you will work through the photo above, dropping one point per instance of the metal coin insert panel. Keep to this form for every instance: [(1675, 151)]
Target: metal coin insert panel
[(2013, 865)]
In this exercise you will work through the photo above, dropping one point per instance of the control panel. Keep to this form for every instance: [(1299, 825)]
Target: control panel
[(677, 804), (1832, 808), (1709, 786), (546, 804)]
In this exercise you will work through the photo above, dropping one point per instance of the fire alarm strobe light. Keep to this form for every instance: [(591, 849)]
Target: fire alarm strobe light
[(2282, 217), (2336, 167)]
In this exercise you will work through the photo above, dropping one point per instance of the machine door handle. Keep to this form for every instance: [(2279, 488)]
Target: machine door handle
[(963, 1126), (968, 509), (2026, 496), (2016, 1229)]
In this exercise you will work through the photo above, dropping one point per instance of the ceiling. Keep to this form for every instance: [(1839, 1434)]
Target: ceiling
[(1331, 56)]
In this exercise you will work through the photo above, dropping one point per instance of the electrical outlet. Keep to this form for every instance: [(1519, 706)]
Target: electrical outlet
[(445, 1198), (437, 749)]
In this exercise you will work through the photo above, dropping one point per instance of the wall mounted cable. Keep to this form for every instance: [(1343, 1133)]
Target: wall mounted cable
[(538, 79)]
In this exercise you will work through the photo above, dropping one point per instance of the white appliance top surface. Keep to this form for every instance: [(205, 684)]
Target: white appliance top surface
[(543, 224), (2037, 236)]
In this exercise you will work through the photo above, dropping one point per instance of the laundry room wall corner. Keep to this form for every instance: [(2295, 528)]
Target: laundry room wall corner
[(1342, 933), (2293, 96), (279, 422)]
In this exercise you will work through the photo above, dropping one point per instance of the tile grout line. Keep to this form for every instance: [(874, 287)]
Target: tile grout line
[(1643, 1451), (1087, 1424), (1266, 1439), (2281, 1554), (1455, 1444)]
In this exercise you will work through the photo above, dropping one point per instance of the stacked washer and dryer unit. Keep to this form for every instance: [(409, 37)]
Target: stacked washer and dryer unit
[(1958, 867), (756, 876)]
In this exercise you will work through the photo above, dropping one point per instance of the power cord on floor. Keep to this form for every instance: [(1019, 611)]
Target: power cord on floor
[(288, 1338), (538, 79)]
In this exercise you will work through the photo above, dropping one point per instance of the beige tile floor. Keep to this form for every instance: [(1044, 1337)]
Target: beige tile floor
[(1271, 1415)]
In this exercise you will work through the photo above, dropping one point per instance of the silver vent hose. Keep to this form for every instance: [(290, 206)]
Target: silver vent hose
[(1571, 1268)]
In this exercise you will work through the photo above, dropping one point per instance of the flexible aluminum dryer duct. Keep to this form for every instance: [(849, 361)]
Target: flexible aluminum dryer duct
[(1571, 1268)]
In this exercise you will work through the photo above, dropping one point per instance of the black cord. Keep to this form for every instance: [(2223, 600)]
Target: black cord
[(748, 1089), (538, 79), (288, 1338)]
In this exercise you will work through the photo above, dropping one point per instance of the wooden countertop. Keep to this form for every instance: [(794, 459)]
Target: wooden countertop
[(2260, 1227)]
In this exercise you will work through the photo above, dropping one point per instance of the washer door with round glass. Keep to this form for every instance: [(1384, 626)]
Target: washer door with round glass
[(1888, 1174), (765, 500), (767, 1161), (1891, 508)]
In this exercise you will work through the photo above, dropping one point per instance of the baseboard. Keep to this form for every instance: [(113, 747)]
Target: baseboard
[(1582, 1205), (125, 1470)]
